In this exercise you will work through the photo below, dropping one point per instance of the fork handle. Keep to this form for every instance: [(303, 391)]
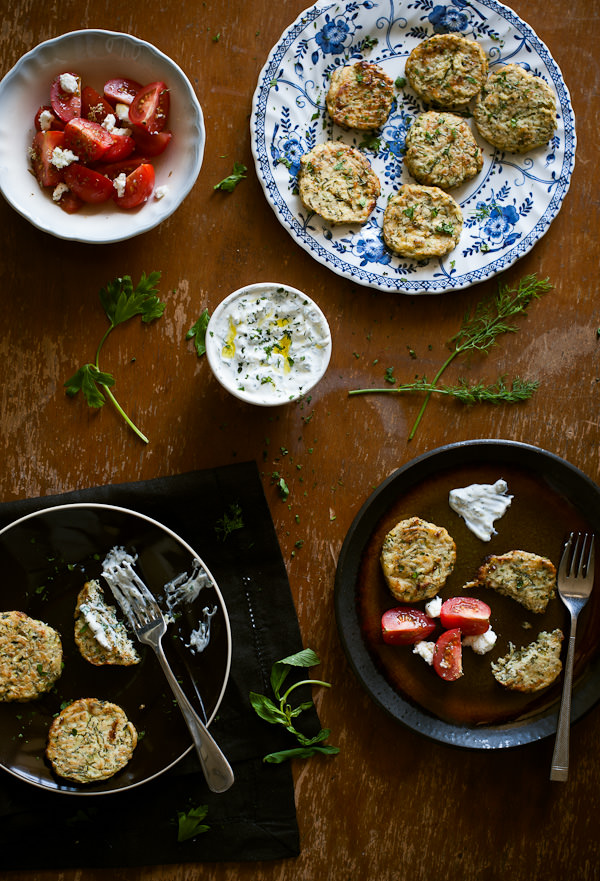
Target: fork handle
[(215, 766), (560, 757)]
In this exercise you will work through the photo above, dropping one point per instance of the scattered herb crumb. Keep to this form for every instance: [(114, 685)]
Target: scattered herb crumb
[(231, 520)]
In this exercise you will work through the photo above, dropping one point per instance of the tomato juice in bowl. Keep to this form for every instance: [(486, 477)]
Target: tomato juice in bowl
[(268, 344), (96, 56)]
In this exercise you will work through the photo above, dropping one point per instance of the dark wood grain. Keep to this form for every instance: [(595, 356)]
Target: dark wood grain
[(391, 805)]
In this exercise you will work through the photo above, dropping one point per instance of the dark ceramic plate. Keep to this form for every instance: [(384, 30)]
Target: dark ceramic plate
[(551, 498), (45, 559)]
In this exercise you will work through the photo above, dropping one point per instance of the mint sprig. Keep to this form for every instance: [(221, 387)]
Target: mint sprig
[(281, 712)]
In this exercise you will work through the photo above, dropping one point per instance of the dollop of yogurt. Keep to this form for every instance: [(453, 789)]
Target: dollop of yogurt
[(480, 505), (268, 344)]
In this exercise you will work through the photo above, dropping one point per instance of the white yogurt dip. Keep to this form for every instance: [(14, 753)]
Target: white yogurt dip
[(268, 344), (480, 505)]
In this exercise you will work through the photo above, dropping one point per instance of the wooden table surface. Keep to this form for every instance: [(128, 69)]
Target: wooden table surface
[(392, 804)]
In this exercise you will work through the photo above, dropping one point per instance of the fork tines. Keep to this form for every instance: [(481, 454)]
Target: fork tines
[(580, 560), (132, 595)]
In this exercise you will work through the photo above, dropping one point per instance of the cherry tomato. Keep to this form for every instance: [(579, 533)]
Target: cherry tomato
[(122, 147), (88, 184), (150, 144), (150, 107), (42, 148), (66, 105), (93, 106), (405, 626), (125, 166), (121, 91), (138, 187), (70, 202), (88, 140), (471, 615), (447, 655), (56, 124)]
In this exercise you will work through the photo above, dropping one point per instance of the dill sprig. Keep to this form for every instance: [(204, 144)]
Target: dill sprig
[(478, 333)]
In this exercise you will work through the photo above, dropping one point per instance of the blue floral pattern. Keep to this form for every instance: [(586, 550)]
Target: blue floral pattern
[(289, 117)]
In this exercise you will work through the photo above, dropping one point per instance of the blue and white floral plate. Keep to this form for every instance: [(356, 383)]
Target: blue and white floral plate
[(507, 208)]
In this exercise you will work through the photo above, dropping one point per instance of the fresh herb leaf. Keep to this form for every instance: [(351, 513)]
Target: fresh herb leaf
[(478, 333), (88, 380), (230, 521), (197, 332), (300, 752), (230, 182), (120, 301), (283, 712), (190, 823)]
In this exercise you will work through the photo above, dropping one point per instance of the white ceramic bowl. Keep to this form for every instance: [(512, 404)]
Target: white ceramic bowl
[(97, 55), (268, 344)]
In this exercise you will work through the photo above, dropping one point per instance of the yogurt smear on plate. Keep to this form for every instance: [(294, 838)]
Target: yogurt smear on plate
[(268, 344), (480, 504)]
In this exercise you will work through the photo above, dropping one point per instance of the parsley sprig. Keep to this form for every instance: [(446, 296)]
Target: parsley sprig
[(189, 823), (282, 713), (229, 183), (120, 301), (478, 333)]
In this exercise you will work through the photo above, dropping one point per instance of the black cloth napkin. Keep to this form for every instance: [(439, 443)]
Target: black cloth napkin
[(256, 818)]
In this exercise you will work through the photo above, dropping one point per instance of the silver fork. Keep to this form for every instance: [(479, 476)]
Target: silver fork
[(575, 582), (148, 623)]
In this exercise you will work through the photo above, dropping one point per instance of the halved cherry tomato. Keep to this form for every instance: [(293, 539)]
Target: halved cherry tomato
[(125, 166), (56, 124), (138, 187), (447, 655), (122, 147), (405, 626), (471, 615), (69, 202), (66, 105), (121, 90), (93, 106), (88, 140), (150, 144), (150, 107), (87, 183), (42, 148)]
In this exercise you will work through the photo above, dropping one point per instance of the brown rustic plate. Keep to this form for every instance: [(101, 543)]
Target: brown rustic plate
[(45, 558), (551, 498)]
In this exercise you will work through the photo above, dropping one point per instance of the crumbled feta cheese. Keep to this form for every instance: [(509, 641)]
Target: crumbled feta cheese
[(119, 183), (59, 191), (46, 118), (425, 649), (69, 83), (122, 112), (61, 158), (433, 607), (109, 122), (160, 192), (483, 643)]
